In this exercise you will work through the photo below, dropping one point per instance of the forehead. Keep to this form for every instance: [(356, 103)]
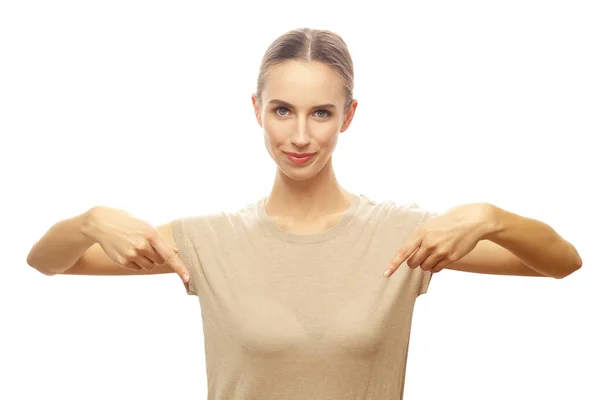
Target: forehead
[(303, 83)]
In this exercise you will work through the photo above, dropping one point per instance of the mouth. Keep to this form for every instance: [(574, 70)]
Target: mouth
[(297, 158)]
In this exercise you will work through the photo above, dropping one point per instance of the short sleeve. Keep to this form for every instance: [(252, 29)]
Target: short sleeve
[(427, 275), (183, 230)]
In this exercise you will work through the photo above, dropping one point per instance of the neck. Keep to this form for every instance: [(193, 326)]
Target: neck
[(319, 196)]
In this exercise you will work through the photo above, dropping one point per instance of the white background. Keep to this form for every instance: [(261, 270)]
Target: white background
[(146, 106)]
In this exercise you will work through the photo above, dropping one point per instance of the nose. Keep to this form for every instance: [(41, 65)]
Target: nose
[(301, 138)]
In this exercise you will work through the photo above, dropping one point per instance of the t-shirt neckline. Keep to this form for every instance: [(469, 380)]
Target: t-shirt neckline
[(344, 223)]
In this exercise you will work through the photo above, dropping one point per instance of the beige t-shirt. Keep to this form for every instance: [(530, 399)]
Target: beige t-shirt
[(303, 316)]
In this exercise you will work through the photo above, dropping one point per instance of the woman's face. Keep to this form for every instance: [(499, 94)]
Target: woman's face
[(302, 112)]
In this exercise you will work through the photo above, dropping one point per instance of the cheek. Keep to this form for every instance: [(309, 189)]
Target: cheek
[(326, 136), (274, 132), (273, 140)]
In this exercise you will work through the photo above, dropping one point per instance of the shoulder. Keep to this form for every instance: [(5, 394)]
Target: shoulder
[(218, 223), (397, 214)]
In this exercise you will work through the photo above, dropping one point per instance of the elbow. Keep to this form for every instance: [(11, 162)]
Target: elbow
[(570, 270), (33, 265), (578, 265), (47, 273), (579, 262), (31, 262), (575, 265)]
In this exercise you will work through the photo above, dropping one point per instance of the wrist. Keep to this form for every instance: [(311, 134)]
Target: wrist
[(492, 221), (89, 224)]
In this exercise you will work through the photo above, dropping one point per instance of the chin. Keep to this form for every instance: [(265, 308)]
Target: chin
[(295, 176), (300, 173)]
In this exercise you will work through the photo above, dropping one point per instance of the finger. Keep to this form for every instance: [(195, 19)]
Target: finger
[(166, 251), (441, 265), (418, 258), (432, 260), (157, 258), (437, 267), (132, 266), (401, 255), (144, 262), (153, 256)]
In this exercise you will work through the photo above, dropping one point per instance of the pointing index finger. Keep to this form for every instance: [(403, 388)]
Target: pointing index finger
[(401, 255), (168, 254)]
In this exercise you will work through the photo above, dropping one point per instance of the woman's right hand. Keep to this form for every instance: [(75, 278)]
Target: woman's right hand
[(131, 242)]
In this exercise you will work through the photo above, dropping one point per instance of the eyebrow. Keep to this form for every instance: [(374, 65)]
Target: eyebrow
[(286, 104)]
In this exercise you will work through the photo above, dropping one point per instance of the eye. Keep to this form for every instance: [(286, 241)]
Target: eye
[(321, 116), (327, 113), (280, 108)]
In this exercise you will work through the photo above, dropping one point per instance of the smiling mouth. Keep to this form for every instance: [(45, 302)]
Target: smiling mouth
[(299, 158)]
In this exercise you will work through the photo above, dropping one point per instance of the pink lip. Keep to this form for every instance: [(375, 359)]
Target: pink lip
[(299, 155), (299, 158)]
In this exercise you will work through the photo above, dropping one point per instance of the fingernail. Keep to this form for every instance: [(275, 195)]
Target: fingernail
[(185, 277), (387, 272)]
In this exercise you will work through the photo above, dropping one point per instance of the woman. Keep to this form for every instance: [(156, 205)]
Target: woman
[(295, 301)]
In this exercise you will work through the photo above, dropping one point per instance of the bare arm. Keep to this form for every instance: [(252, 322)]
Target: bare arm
[(106, 241), (62, 245)]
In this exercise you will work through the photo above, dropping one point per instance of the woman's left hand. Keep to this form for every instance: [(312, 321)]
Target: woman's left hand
[(444, 239)]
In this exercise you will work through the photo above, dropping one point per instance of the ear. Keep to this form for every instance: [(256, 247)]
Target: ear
[(256, 109), (349, 115)]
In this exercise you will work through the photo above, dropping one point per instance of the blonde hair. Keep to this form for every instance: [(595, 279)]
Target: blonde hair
[(305, 44)]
